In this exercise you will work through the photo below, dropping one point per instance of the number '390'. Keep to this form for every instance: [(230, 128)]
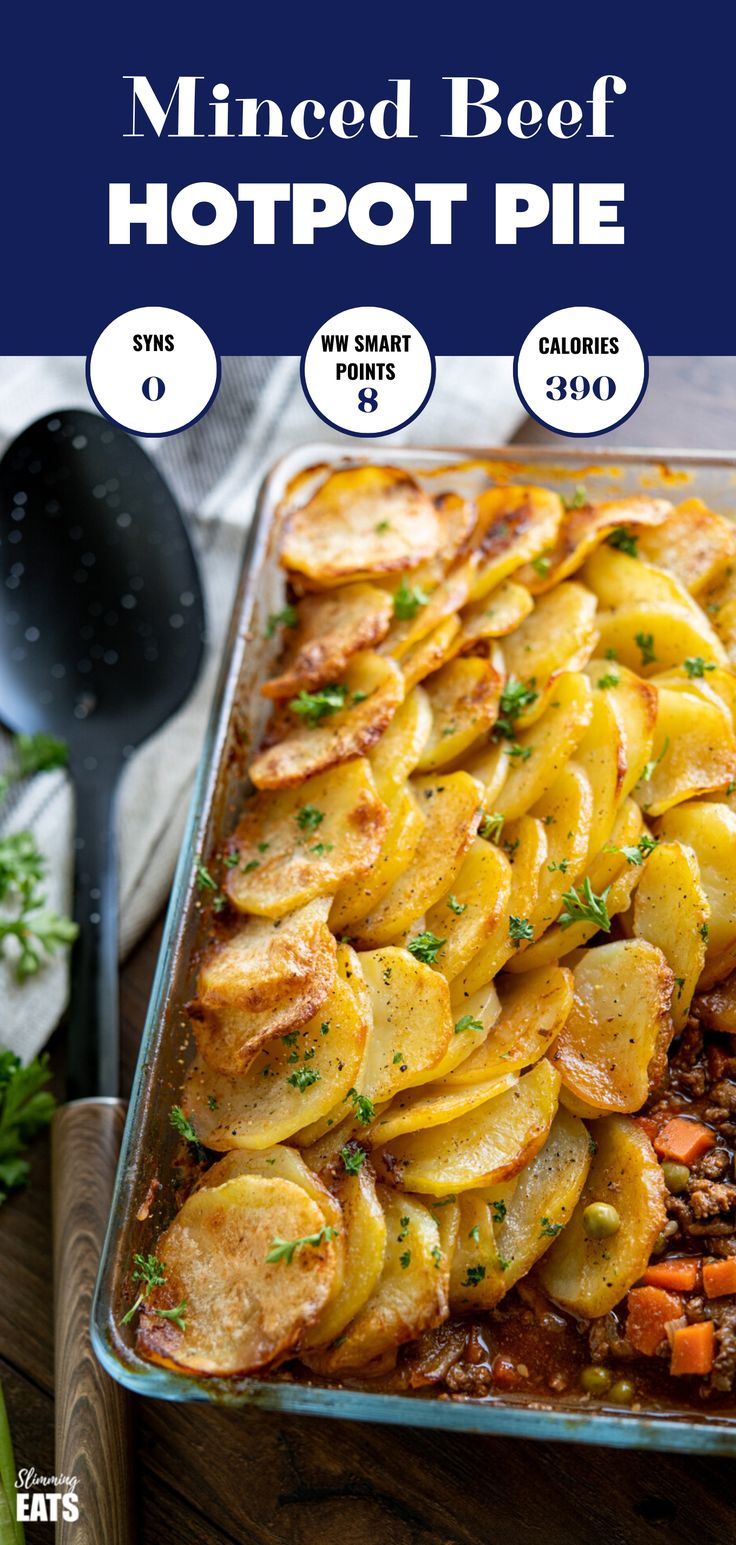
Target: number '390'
[(578, 387)]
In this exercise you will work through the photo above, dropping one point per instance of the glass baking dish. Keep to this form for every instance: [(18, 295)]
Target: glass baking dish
[(139, 1208)]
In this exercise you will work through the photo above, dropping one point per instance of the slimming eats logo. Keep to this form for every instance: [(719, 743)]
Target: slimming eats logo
[(45, 1499)]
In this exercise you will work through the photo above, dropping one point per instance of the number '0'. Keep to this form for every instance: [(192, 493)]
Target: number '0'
[(153, 388)]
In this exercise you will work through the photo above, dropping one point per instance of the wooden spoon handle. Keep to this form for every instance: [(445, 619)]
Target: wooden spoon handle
[(92, 1429)]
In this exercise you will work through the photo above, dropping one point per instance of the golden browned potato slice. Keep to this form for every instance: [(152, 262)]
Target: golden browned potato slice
[(358, 897), (694, 750), (240, 1311), (481, 1148), (544, 1198), (582, 529), (670, 910), (434, 1104), (715, 683), (693, 543), (514, 928), (560, 634), (650, 636), (362, 521), (717, 1008), (430, 653), (412, 1023), (710, 830), (411, 1293), (451, 806), (457, 517), (418, 611), (293, 1082), (473, 908), (314, 741), (515, 525), (566, 812), (364, 1229), (719, 601), (534, 1008), (477, 1279), (538, 754), (602, 755), (291, 845), (490, 765), (590, 1276), (463, 696), (267, 979), (494, 616), (331, 628), (474, 1017), (634, 702), (394, 757), (619, 1018)]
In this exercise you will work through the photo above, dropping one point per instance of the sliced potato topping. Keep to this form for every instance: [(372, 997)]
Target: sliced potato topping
[(534, 1008), (333, 725), (330, 629), (514, 525), (619, 1018), (363, 521), (693, 543), (463, 697), (582, 528), (364, 1229)]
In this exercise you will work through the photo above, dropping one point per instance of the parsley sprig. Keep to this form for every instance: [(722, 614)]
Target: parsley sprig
[(588, 908), (285, 1249), (426, 947), (407, 601), (26, 1107), (151, 1272), (315, 706), (515, 699)]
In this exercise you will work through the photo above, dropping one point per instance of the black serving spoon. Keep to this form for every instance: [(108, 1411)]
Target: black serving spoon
[(101, 639)]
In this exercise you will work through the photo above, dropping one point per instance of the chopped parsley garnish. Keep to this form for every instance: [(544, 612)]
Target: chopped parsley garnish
[(353, 1158), (314, 706), (320, 848), (309, 818), (503, 1265), (405, 1260), (578, 499), (285, 1249), (550, 1230), (231, 859), (151, 1273), (324, 1028), (407, 601), (286, 618), (426, 947), (515, 698), (637, 855), (211, 1102), (364, 1108), (474, 1276), (650, 766), (696, 666), (499, 1211), (520, 928), (704, 931), (610, 680), (645, 642), (541, 564), (405, 1225), (475, 1234), (436, 1255), (467, 1022), (679, 983), (519, 753), (458, 907), (303, 1078), (205, 882), (185, 1129), (255, 863), (587, 908), (491, 826), (624, 541), (383, 525), (397, 1058), (562, 865), (611, 654)]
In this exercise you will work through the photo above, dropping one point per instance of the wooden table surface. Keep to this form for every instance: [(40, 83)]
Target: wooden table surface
[(206, 1477)]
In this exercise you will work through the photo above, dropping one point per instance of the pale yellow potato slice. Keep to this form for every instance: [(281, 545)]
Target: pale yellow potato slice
[(566, 812), (670, 909), (477, 1280), (490, 765), (373, 688), (617, 580), (515, 525), (582, 528), (719, 601), (241, 1311), (473, 908), (602, 755), (357, 898), (494, 616), (508, 937), (558, 635), (330, 629), (534, 1008), (716, 684), (451, 806), (394, 757), (364, 1231), (544, 748), (545, 1197), (410, 1295), (694, 750), (634, 702), (412, 1023), (434, 1104), (620, 1018), (693, 543), (291, 845), (294, 1080), (710, 830), (434, 606), (267, 979), (590, 1276), (361, 521), (479, 1149), (457, 517), (473, 1017), (430, 653), (464, 698), (667, 634)]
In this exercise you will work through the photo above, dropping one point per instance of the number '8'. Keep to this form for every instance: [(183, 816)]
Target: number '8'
[(367, 399), (603, 388)]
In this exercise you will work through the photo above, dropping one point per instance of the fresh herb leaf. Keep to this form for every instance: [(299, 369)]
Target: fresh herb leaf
[(303, 1078), (185, 1129), (205, 882), (383, 525), (624, 541), (637, 855), (645, 642), (587, 908), (475, 1275), (541, 564), (314, 706), (405, 1260), (150, 1272), (353, 1158), (467, 1022), (211, 1102), (578, 499), (309, 818), (551, 1230), (475, 1234), (426, 947), (364, 1108), (696, 666), (407, 601), (320, 848), (562, 865), (458, 907), (519, 753), (285, 1249), (520, 928), (255, 863), (704, 931), (491, 826), (405, 1224), (286, 618), (499, 1211), (611, 680), (515, 698), (650, 766), (26, 1107)]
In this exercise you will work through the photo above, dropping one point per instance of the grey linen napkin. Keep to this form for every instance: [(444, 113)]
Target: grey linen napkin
[(214, 469)]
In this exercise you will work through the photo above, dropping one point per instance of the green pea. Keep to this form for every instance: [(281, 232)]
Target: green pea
[(600, 1220), (659, 1243), (621, 1393), (676, 1177), (595, 1381)]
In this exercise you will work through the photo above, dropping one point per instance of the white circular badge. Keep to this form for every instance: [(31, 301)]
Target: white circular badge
[(368, 371), (153, 371), (580, 371)]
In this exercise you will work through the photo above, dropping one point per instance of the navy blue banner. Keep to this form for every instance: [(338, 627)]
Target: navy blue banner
[(566, 164)]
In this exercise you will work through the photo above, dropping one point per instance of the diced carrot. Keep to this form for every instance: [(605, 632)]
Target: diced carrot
[(649, 1309), (719, 1277), (678, 1275), (684, 1140), (692, 1348)]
